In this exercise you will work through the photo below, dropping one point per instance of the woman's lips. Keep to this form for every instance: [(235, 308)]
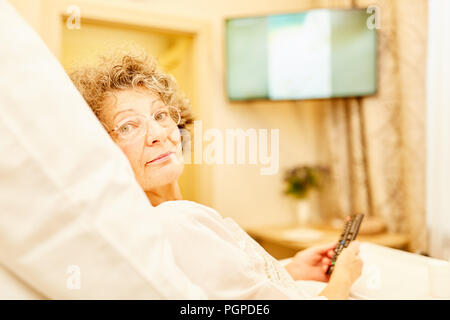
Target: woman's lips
[(161, 158)]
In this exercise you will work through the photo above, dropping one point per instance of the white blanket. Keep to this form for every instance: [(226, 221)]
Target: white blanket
[(74, 222), (387, 274)]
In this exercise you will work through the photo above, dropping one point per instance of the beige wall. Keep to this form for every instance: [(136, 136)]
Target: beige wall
[(239, 191)]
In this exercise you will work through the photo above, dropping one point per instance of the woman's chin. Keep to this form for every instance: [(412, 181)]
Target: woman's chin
[(163, 175)]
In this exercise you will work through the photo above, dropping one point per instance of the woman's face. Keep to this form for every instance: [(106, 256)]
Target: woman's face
[(156, 156)]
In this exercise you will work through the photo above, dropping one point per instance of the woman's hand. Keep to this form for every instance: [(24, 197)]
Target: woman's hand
[(312, 263), (346, 271), (349, 264)]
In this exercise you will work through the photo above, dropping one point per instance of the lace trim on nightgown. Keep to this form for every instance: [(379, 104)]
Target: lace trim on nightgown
[(274, 271)]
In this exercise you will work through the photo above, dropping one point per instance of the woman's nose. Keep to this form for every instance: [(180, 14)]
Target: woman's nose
[(155, 133)]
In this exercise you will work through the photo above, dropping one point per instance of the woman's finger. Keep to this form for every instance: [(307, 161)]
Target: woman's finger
[(330, 253), (326, 261), (355, 247), (323, 249)]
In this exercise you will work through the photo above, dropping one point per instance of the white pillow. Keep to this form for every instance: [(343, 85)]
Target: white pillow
[(74, 222)]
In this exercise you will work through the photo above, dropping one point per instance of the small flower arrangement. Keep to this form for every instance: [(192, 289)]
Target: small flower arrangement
[(301, 180)]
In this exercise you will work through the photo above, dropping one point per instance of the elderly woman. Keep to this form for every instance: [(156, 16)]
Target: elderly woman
[(143, 111)]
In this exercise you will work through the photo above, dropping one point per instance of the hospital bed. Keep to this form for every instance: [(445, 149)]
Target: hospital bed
[(388, 274)]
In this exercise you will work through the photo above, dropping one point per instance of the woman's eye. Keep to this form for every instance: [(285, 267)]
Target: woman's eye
[(161, 115), (126, 128)]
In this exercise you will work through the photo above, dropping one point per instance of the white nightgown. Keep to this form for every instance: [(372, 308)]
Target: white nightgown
[(221, 258)]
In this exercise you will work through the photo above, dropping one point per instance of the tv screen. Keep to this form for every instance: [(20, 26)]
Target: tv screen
[(309, 55)]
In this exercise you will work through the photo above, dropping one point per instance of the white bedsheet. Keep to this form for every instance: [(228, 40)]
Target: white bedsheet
[(387, 274), (70, 207)]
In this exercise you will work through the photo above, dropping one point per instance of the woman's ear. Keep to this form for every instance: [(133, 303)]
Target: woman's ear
[(185, 138)]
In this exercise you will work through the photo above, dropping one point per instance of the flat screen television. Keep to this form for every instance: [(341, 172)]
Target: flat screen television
[(322, 53)]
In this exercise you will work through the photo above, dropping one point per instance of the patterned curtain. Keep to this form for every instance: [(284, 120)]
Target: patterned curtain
[(376, 145)]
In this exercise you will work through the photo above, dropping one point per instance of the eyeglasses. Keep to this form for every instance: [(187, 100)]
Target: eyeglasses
[(136, 126)]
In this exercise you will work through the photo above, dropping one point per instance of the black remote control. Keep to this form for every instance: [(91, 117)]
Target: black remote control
[(349, 234)]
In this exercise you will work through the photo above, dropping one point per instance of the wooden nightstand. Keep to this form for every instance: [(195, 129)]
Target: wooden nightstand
[(284, 241)]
